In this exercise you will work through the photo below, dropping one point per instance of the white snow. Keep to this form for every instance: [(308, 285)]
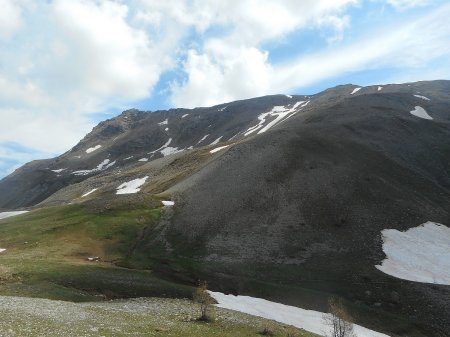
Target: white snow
[(164, 122), (201, 140), (279, 112), (143, 159), (92, 149), (2, 250), (90, 192), (104, 165), (223, 108), (162, 147), (380, 88), (355, 91), (4, 215), (309, 320), (217, 149), (168, 203), (422, 97), (170, 150), (420, 254), (166, 129), (128, 158), (132, 186), (58, 171), (288, 96), (420, 112), (185, 115), (216, 141)]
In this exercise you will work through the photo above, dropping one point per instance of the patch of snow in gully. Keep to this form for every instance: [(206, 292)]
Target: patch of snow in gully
[(355, 91), (90, 192), (104, 165), (420, 254), (309, 320), (168, 203), (132, 186), (217, 149), (216, 141), (422, 97), (421, 113), (92, 149)]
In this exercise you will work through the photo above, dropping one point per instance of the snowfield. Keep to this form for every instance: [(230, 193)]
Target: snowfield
[(90, 192), (279, 112), (4, 215), (422, 97), (420, 112), (102, 166), (421, 254), (355, 91), (92, 149), (309, 320), (217, 149), (132, 186)]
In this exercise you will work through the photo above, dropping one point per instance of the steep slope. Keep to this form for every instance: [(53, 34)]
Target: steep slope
[(292, 209)]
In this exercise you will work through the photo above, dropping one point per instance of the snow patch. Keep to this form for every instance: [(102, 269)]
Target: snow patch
[(4, 215), (170, 150), (288, 96), (420, 112), (92, 149), (217, 149), (166, 129), (2, 250), (185, 115), (421, 254), (380, 88), (132, 186), (279, 112), (222, 109), (90, 192), (422, 97), (143, 159), (128, 158), (216, 141), (168, 203), (355, 91), (104, 165), (58, 171), (162, 147), (164, 122), (309, 320), (201, 140)]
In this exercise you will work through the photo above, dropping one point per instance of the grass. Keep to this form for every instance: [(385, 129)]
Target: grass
[(48, 250)]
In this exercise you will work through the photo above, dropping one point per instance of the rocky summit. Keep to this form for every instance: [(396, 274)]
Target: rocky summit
[(288, 198)]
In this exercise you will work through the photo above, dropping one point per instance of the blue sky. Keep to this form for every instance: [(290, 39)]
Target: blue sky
[(65, 65)]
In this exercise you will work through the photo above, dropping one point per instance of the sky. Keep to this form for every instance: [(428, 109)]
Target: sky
[(66, 65)]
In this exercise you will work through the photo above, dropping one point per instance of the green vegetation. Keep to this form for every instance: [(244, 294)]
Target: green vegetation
[(76, 253)]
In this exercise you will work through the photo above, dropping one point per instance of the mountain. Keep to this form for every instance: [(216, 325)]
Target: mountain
[(281, 197)]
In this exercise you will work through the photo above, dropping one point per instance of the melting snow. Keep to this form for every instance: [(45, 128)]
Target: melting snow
[(185, 115), (128, 158), (102, 166), (280, 112), (216, 141), (162, 147), (422, 97), (170, 150), (420, 112), (92, 149), (201, 140), (217, 149), (58, 171), (380, 88), (164, 122), (355, 91), (90, 192), (168, 203), (309, 320), (132, 186), (143, 159), (420, 254), (4, 215)]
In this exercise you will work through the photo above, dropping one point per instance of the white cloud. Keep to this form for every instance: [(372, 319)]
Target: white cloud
[(405, 4), (10, 18)]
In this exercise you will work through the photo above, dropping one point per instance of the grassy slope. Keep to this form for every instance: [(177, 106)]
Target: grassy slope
[(46, 257)]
